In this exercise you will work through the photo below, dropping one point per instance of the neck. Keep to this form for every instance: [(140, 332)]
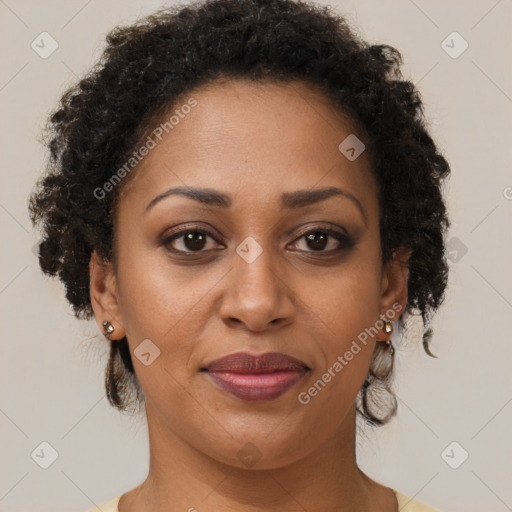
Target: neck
[(185, 479)]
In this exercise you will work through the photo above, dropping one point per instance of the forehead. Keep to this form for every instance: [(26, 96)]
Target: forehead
[(252, 138)]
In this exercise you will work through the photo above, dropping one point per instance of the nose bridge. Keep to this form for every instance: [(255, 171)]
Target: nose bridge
[(255, 269), (255, 266), (256, 293)]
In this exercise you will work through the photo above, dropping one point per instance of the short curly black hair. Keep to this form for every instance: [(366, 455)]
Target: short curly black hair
[(146, 66)]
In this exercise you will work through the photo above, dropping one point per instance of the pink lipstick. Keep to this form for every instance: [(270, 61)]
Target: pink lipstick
[(256, 378)]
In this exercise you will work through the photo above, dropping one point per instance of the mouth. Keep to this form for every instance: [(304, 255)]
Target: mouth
[(256, 378)]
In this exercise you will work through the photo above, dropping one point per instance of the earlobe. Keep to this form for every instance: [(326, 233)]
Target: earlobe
[(394, 282), (104, 298)]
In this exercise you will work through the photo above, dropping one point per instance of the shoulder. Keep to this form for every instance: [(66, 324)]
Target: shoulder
[(108, 506), (406, 504)]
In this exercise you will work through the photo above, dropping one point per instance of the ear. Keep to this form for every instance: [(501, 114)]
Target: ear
[(394, 284), (104, 297)]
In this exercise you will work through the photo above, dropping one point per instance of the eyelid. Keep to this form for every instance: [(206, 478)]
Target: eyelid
[(194, 226), (344, 240), (187, 228), (323, 226)]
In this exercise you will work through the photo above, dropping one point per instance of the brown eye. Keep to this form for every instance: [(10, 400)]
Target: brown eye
[(325, 240), (191, 240)]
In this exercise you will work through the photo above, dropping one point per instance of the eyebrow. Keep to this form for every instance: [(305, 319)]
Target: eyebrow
[(290, 200)]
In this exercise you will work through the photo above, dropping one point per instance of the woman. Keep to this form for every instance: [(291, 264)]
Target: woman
[(245, 197)]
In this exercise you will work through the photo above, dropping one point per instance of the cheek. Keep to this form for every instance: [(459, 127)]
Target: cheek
[(168, 305), (159, 304), (348, 300), (346, 341), (157, 295), (346, 314)]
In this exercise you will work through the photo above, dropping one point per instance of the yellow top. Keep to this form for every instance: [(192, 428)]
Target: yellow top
[(405, 504)]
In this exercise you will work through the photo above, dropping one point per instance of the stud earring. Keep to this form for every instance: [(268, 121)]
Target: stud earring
[(388, 327), (108, 328)]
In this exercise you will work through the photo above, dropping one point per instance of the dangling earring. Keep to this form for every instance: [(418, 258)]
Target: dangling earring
[(388, 327), (108, 328)]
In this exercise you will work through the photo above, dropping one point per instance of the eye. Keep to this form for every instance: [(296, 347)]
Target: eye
[(190, 240), (320, 239), (196, 240)]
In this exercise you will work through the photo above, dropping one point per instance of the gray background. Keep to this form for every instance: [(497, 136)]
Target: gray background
[(52, 364)]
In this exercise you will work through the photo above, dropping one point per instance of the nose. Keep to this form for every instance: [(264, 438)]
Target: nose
[(258, 296)]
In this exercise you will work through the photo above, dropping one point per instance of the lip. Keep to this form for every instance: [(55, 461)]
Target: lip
[(256, 377)]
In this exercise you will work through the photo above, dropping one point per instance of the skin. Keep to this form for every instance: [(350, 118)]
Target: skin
[(252, 142)]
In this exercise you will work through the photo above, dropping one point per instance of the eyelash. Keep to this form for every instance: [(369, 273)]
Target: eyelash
[(345, 241)]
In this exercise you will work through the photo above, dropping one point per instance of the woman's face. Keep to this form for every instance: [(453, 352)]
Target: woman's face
[(260, 274)]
